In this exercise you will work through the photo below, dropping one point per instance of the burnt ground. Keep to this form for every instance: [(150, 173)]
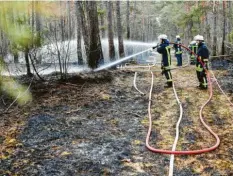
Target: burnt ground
[(96, 124)]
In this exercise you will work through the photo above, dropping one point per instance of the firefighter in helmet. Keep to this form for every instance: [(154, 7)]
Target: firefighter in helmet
[(165, 50), (193, 47), (202, 62), (178, 50)]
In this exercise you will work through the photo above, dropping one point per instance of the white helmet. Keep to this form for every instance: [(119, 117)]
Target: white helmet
[(177, 36), (162, 36), (192, 42), (199, 37)]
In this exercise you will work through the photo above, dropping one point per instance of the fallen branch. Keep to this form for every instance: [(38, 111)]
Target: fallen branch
[(74, 85), (74, 110), (221, 56)]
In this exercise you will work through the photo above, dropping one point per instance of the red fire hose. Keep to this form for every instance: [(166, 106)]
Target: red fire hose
[(188, 152)]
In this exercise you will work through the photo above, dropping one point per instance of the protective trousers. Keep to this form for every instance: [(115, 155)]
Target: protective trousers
[(179, 59), (192, 57), (201, 75), (192, 60), (166, 63), (168, 76)]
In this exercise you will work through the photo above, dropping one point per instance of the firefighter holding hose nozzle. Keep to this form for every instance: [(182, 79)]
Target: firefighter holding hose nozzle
[(165, 50), (202, 58)]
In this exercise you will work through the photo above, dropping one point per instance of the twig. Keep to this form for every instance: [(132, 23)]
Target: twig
[(3, 100), (19, 95), (33, 65), (12, 103), (83, 86)]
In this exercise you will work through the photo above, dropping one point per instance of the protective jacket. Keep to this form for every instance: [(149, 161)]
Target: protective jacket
[(193, 48), (178, 52), (202, 56), (165, 50), (178, 48)]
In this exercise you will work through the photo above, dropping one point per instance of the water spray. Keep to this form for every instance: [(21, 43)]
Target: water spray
[(120, 60)]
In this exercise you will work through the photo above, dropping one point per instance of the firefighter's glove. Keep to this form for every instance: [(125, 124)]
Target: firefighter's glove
[(155, 46), (163, 72)]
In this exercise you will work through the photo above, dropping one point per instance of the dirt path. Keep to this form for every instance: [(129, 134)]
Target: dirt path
[(96, 125)]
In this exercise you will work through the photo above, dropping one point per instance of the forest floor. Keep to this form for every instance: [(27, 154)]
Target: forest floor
[(96, 124)]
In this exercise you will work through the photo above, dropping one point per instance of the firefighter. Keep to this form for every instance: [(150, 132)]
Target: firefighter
[(164, 49), (178, 50), (193, 47), (202, 56)]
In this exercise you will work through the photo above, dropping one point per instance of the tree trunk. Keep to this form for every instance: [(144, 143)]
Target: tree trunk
[(79, 35), (69, 21), (134, 28), (119, 30), (16, 57), (85, 32), (143, 28), (4, 28), (102, 20), (214, 44), (190, 26), (58, 51), (229, 19), (127, 20), (224, 26), (27, 61), (208, 37), (110, 33), (33, 20), (38, 31), (96, 54), (148, 29), (38, 22), (34, 67), (13, 46), (62, 23)]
